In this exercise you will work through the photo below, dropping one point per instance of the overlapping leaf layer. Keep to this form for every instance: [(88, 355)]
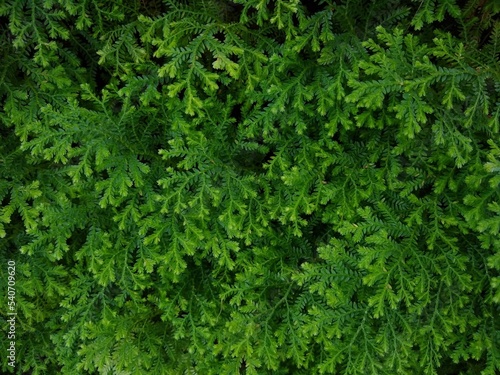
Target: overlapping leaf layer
[(252, 186)]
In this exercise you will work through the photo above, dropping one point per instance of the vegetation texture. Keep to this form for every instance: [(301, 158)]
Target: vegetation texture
[(251, 186)]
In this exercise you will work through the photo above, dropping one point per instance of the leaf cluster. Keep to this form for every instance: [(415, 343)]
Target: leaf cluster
[(251, 186)]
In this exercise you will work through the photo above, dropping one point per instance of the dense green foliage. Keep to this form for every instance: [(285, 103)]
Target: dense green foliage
[(251, 186)]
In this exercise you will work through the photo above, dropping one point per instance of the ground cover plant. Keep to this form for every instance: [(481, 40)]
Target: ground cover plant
[(251, 186)]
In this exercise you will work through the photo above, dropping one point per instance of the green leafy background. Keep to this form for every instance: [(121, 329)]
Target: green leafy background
[(251, 186)]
